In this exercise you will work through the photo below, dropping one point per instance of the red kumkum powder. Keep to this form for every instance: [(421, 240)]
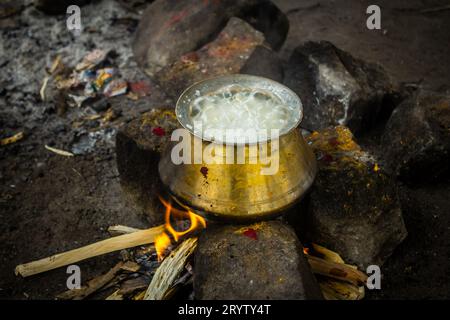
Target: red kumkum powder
[(251, 233), (159, 131)]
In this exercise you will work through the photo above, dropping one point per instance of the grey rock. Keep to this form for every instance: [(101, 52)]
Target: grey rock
[(225, 55), (259, 261), (57, 7), (353, 206), (138, 149), (338, 89), (416, 140), (101, 105), (169, 29), (264, 63)]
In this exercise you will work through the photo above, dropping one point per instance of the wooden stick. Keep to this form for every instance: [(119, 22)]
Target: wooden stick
[(338, 271), (92, 285), (59, 151), (115, 296), (339, 290), (102, 247), (327, 253), (169, 270), (119, 229)]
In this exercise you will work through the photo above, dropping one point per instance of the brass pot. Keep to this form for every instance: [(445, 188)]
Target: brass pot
[(240, 191)]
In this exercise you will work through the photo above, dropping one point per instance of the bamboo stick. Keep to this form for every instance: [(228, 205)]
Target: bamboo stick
[(169, 270), (98, 248)]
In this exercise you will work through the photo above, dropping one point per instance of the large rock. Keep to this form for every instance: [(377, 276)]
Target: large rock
[(138, 148), (416, 141), (264, 63), (337, 89), (227, 54), (260, 261), (171, 28), (353, 206)]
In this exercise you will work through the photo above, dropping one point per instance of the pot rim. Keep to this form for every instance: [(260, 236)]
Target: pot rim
[(289, 92)]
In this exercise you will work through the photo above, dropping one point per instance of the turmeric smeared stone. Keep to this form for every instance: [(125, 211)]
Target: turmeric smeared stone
[(250, 231), (171, 29), (138, 148), (230, 264), (353, 208), (227, 54)]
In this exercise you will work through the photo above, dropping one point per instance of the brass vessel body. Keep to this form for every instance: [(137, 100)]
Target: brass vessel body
[(239, 192)]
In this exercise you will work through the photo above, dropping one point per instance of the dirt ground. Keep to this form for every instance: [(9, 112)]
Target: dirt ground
[(50, 203)]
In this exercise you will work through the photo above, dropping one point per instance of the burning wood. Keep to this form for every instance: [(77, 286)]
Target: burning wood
[(162, 242), (169, 270)]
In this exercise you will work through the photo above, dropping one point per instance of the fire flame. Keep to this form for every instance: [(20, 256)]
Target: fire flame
[(163, 241)]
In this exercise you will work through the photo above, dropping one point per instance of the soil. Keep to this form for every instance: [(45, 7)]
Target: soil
[(50, 203)]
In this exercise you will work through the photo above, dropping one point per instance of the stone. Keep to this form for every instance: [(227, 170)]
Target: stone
[(259, 261), (338, 89), (267, 18), (264, 62), (225, 55), (170, 28), (416, 140), (353, 205), (138, 148), (57, 7)]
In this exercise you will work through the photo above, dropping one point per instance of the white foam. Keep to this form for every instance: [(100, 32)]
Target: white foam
[(241, 108)]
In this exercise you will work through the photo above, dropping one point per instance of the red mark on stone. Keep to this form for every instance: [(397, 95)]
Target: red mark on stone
[(190, 57), (251, 233), (159, 131), (175, 19), (204, 171), (141, 88), (334, 142), (327, 158)]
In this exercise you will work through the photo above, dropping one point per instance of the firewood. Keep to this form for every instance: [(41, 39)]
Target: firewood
[(169, 270), (119, 229), (327, 254), (338, 271), (339, 290), (98, 248), (92, 285), (133, 285), (115, 296), (140, 295)]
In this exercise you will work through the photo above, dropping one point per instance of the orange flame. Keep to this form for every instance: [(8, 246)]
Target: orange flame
[(162, 242)]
